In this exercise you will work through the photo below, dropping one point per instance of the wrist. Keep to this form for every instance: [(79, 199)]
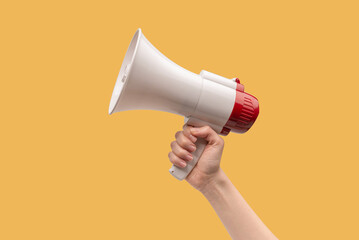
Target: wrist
[(215, 182)]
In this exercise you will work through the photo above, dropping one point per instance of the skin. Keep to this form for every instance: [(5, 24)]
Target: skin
[(207, 177)]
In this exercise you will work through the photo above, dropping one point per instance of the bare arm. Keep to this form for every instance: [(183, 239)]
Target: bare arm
[(236, 215)]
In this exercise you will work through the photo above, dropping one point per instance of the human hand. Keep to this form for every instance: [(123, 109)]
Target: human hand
[(208, 166)]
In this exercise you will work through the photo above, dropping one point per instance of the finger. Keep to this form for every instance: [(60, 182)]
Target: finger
[(185, 142), (176, 160), (187, 133), (209, 134), (181, 152)]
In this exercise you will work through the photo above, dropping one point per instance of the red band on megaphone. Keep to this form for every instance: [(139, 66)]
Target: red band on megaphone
[(244, 113)]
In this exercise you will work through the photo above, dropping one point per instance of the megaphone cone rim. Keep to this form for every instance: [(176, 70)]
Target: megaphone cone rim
[(116, 94)]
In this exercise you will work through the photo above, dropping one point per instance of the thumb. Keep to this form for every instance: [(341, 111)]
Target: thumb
[(208, 134)]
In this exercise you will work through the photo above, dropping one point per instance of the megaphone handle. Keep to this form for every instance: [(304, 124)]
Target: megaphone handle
[(181, 173)]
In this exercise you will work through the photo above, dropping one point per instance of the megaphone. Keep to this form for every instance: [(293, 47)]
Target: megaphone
[(149, 80)]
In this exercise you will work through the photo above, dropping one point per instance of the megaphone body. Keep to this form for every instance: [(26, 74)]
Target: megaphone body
[(149, 80)]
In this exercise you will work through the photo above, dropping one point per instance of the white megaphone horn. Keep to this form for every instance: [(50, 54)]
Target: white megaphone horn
[(149, 80)]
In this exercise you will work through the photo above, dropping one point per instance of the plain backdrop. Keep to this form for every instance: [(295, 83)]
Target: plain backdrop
[(68, 170)]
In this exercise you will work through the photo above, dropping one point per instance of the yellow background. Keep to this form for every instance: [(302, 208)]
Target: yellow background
[(70, 171)]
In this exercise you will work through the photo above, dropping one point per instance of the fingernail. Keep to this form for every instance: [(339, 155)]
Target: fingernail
[(182, 163), (189, 157), (192, 148), (193, 138)]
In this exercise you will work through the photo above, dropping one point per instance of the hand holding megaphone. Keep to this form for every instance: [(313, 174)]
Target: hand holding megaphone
[(149, 80), (209, 163)]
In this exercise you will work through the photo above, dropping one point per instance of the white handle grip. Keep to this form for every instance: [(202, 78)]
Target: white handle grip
[(181, 173)]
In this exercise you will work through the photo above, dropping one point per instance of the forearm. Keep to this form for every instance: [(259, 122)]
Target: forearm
[(236, 215)]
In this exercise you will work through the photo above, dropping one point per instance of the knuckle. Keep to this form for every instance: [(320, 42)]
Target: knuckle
[(207, 128), (177, 134), (186, 144), (172, 157), (187, 130), (181, 141), (182, 153), (175, 161), (178, 151)]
